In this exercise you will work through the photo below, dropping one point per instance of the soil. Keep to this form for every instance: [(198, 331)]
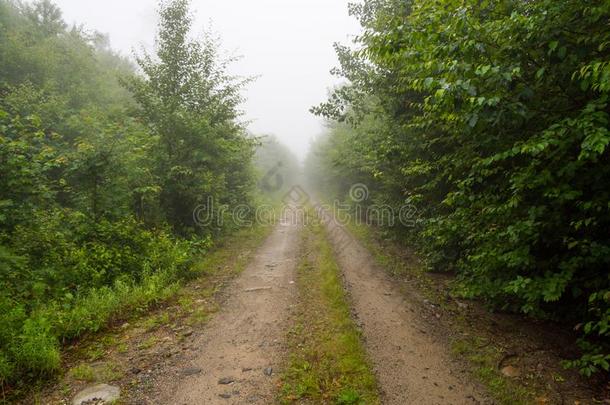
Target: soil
[(526, 354), (235, 358), (412, 366)]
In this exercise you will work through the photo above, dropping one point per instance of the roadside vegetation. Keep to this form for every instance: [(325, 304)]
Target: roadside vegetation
[(492, 120), (102, 164), (144, 339), (327, 362)]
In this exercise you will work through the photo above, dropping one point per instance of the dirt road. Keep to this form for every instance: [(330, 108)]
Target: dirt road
[(236, 356), (239, 351), (411, 366)]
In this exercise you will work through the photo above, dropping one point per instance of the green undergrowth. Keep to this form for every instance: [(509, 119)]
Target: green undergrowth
[(327, 362), (143, 305), (235, 249), (484, 359)]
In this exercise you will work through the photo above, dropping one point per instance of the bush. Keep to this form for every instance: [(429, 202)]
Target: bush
[(496, 127), (36, 349), (94, 188), (64, 277)]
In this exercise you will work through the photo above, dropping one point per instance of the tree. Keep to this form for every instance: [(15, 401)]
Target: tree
[(190, 101), (493, 118), (47, 16)]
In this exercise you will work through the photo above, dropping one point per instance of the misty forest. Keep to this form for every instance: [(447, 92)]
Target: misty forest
[(445, 239)]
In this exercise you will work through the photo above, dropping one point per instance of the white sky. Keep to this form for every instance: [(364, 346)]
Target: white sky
[(287, 42)]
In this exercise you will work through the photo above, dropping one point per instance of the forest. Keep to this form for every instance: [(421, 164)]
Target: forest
[(101, 168), (491, 118)]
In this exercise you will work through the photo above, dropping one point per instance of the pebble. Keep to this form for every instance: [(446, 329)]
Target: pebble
[(191, 371), (226, 380), (102, 392), (511, 371)]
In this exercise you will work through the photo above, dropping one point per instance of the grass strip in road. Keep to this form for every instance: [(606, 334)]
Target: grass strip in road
[(327, 361)]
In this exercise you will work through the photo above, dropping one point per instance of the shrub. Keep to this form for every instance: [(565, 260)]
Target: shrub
[(496, 127), (36, 348)]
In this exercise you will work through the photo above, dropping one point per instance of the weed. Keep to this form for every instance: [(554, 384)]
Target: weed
[(95, 353), (148, 343), (83, 372), (108, 372), (327, 360)]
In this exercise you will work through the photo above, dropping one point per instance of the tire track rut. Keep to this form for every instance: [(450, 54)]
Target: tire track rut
[(237, 353), (411, 366)]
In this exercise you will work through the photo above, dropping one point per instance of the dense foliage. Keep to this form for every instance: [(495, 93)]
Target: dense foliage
[(190, 101), (492, 117), (100, 170)]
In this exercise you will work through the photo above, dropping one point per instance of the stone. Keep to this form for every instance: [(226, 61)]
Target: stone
[(226, 380), (253, 289), (462, 305), (191, 371), (268, 371), (100, 392), (511, 371)]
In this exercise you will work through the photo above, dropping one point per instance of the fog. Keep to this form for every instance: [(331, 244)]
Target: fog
[(287, 44)]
